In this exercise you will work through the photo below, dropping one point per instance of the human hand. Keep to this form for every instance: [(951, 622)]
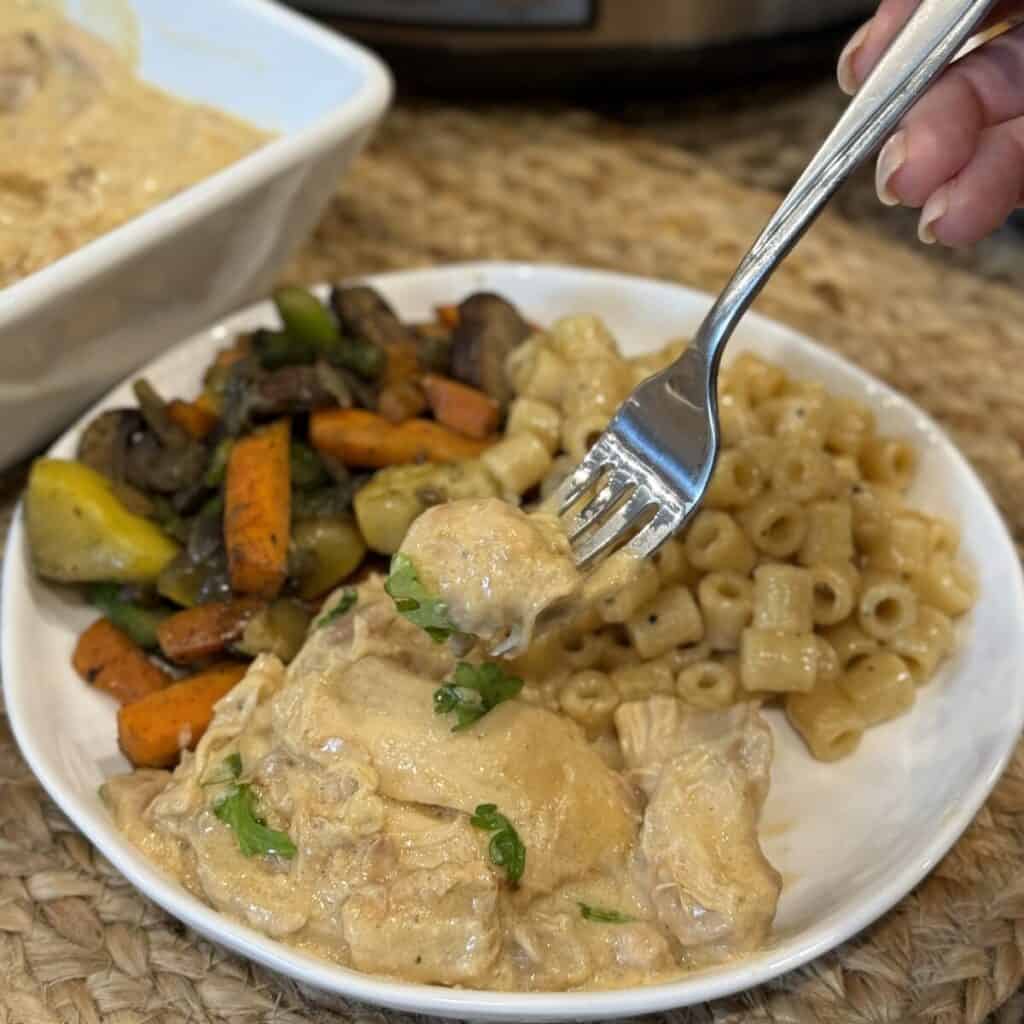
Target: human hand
[(959, 153)]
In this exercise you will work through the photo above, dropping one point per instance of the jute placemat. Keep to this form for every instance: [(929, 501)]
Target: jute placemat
[(79, 946)]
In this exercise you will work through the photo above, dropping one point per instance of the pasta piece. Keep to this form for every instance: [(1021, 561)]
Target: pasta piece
[(736, 481), (715, 541), (829, 669), (763, 450), (924, 644), (671, 619), (947, 585), (783, 597), (580, 432), (905, 548), (517, 463), (879, 686), (869, 518), (777, 662), (560, 468), (826, 720), (583, 338), (671, 563), (708, 685), (532, 416), (886, 605), (802, 473), (737, 421), (727, 605), (635, 682), (621, 589), (800, 419), (850, 642), (754, 378), (836, 586), (850, 424), (590, 699), (943, 537), (684, 656), (537, 372), (775, 525), (829, 537), (888, 461), (847, 472), (581, 650), (619, 651)]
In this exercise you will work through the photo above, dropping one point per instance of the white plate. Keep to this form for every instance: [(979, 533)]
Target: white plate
[(850, 839)]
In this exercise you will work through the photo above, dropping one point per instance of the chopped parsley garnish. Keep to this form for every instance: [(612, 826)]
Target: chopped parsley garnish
[(506, 849), (413, 601), (230, 770), (475, 690), (237, 809), (347, 601), (603, 915)]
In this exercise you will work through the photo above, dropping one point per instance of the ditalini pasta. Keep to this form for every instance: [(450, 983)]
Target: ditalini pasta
[(806, 578)]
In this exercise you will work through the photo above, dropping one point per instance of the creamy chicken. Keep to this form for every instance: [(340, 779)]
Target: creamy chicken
[(86, 145), (496, 569), (349, 758)]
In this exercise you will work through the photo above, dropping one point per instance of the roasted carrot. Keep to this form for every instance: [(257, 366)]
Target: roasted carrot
[(257, 510), (110, 660), (196, 633), (465, 409), (364, 439), (152, 732), (197, 418), (235, 352), (448, 316), (401, 395)]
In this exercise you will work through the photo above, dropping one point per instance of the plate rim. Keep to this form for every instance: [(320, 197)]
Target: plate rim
[(736, 976)]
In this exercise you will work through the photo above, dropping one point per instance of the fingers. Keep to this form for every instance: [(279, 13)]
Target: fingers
[(977, 201), (942, 132), (870, 41)]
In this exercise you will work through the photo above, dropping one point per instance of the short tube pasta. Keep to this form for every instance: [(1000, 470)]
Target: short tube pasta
[(802, 473), (829, 535), (775, 525), (850, 424), (517, 463), (590, 699), (736, 481), (879, 686), (668, 621), (923, 645), (888, 461), (580, 432), (905, 548), (783, 598), (835, 589), (708, 685), (850, 642), (727, 604), (886, 605), (532, 416), (826, 720), (946, 585), (635, 682), (776, 662), (715, 541)]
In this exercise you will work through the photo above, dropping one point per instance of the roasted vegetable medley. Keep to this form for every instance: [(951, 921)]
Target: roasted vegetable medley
[(207, 530)]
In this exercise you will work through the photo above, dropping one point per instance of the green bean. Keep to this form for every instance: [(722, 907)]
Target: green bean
[(305, 317), (307, 468), (218, 464), (139, 623), (361, 357), (281, 348)]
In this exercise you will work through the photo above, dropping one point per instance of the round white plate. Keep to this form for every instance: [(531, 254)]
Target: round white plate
[(850, 839)]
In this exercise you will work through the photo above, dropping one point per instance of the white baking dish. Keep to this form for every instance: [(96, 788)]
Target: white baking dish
[(71, 330)]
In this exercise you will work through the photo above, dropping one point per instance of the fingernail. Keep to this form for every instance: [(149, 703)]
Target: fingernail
[(844, 69), (890, 160), (934, 210)]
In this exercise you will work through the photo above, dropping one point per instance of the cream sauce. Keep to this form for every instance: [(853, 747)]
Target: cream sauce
[(85, 145), (376, 791)]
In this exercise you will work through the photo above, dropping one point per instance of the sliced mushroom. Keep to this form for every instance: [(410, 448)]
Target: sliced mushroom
[(489, 328), (365, 314)]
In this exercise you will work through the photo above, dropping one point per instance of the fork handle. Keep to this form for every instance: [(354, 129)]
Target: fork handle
[(927, 43)]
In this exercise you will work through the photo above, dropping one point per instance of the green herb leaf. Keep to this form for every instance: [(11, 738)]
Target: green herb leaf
[(602, 915), (413, 601), (475, 690), (231, 769), (237, 809), (345, 603), (506, 849)]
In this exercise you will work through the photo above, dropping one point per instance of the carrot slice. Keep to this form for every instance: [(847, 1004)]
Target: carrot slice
[(107, 658), (152, 732), (456, 405), (257, 510), (196, 633), (195, 417), (364, 439), (448, 316)]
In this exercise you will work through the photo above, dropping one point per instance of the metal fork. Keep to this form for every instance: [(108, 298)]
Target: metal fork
[(652, 464)]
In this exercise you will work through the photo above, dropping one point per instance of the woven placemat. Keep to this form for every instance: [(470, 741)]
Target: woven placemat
[(79, 946)]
